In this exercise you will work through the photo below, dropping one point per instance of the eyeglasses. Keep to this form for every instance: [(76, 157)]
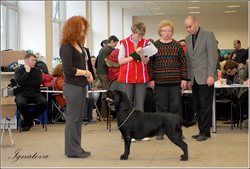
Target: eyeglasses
[(230, 71), (166, 31)]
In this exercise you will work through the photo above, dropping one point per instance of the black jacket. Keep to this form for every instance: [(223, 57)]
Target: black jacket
[(29, 82)]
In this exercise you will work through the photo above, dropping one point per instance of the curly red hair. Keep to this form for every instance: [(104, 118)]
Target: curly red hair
[(71, 32), (58, 71)]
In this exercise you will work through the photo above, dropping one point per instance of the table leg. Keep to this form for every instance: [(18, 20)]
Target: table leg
[(214, 114)]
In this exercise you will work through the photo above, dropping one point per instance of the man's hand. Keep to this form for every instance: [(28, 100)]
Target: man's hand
[(152, 84), (183, 84), (27, 68), (189, 85), (210, 80), (95, 88), (234, 57)]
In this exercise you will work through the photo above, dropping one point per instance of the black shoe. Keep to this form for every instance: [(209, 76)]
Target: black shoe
[(85, 123), (25, 128), (201, 137), (83, 155), (86, 152), (22, 123), (91, 122), (195, 136)]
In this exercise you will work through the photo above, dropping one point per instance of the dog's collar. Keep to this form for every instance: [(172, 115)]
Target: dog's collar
[(126, 119)]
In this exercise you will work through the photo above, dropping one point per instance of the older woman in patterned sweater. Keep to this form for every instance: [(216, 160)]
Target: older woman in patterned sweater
[(167, 71)]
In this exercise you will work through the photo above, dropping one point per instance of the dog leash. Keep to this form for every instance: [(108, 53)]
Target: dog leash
[(101, 116), (126, 119)]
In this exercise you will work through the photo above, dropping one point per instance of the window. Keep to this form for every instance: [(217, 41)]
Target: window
[(9, 25), (58, 17)]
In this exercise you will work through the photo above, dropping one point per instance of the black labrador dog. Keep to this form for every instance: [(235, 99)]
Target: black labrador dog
[(133, 123)]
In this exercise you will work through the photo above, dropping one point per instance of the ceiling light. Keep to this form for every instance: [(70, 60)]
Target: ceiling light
[(233, 6), (230, 11), (158, 13), (154, 8), (149, 2), (193, 7), (194, 12)]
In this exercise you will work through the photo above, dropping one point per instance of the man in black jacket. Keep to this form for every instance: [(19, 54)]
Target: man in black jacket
[(28, 79)]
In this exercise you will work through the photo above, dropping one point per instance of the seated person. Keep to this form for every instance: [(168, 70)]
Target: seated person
[(243, 94), (113, 65), (222, 63), (234, 72), (96, 84), (87, 117), (58, 79), (28, 79)]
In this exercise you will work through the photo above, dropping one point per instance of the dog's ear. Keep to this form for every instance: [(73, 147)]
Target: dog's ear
[(110, 93), (117, 96)]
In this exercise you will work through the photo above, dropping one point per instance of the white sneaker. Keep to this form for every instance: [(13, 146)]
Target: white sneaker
[(145, 139), (133, 140)]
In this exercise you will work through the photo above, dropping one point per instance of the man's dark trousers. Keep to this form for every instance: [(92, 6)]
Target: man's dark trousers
[(22, 105)]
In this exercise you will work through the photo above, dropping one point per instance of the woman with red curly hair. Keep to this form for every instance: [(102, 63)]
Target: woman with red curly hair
[(58, 79), (77, 74)]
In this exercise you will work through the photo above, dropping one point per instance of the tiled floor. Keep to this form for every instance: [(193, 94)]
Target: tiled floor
[(226, 148)]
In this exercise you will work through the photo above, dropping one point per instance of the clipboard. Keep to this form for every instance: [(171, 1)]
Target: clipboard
[(148, 51)]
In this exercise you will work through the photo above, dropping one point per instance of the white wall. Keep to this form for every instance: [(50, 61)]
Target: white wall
[(226, 27), (75, 8), (32, 26), (99, 25), (128, 21), (116, 21)]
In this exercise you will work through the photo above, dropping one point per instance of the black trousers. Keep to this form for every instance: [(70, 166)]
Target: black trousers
[(202, 101), (89, 108), (168, 99), (22, 105)]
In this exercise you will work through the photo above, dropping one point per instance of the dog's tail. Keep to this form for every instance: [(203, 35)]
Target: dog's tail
[(188, 123)]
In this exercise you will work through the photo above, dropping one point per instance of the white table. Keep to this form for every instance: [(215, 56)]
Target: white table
[(216, 86), (56, 91)]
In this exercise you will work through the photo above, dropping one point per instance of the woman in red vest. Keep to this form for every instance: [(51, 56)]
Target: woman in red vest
[(133, 75)]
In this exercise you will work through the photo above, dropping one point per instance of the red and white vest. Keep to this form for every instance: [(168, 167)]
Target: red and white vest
[(133, 71)]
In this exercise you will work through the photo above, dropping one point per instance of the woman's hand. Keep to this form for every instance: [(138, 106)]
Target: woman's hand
[(90, 78), (139, 51), (87, 74), (152, 84)]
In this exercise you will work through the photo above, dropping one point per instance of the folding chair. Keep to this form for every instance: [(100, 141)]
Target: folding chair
[(113, 85), (61, 108)]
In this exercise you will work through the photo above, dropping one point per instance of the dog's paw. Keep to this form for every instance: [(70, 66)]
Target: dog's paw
[(184, 158), (123, 157)]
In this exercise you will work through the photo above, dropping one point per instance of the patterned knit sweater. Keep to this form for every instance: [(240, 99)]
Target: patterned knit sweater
[(168, 66)]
